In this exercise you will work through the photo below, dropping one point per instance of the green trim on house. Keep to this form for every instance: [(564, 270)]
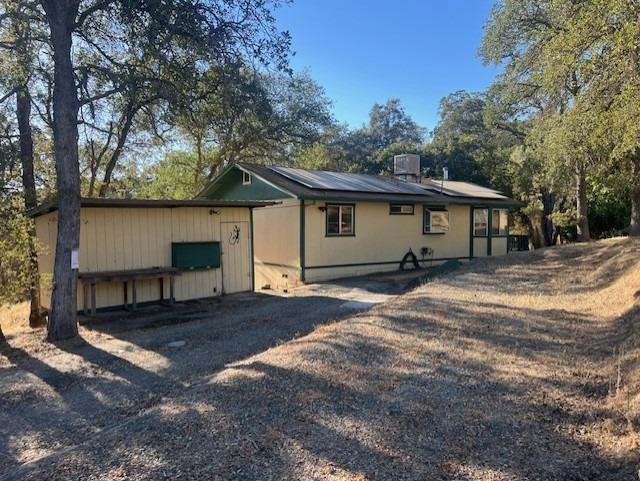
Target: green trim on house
[(471, 225), (230, 186), (302, 240), (253, 265), (363, 264), (326, 219), (489, 232), (412, 200)]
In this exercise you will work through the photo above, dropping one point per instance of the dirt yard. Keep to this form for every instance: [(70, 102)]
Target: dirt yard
[(517, 368)]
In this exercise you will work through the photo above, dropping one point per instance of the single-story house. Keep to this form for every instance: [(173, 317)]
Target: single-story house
[(328, 225), (142, 251)]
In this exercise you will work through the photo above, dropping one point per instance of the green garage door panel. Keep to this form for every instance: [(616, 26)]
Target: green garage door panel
[(195, 255)]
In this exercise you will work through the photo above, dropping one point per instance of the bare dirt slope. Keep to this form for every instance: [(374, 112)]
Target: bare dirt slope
[(518, 368)]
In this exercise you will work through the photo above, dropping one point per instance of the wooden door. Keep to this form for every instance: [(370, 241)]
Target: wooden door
[(236, 260)]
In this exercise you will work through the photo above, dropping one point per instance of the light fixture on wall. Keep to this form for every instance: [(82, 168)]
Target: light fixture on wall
[(214, 212), (322, 208)]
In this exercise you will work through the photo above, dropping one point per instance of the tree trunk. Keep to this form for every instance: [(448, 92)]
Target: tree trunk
[(199, 166), (61, 15), (635, 196), (546, 225), (23, 111), (113, 160), (635, 212), (582, 208)]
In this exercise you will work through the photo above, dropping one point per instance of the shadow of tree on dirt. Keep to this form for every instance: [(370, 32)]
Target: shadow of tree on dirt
[(425, 388)]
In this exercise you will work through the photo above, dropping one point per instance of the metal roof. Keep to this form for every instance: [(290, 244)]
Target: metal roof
[(298, 186), (347, 181), (150, 203), (461, 189)]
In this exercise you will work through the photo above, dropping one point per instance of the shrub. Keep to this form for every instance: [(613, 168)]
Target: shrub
[(15, 269)]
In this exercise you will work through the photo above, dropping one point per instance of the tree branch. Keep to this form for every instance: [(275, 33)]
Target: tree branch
[(99, 5)]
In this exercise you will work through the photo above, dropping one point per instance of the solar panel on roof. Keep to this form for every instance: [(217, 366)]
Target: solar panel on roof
[(318, 179), (462, 189)]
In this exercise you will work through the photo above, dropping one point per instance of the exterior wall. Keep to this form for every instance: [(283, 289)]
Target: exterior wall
[(380, 242), (499, 246), (136, 238), (276, 234), (480, 247)]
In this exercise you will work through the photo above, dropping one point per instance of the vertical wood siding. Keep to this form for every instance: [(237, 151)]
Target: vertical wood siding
[(276, 233), (136, 238)]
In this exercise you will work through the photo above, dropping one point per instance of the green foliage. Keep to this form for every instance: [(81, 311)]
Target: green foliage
[(571, 69), (15, 270), (179, 175), (609, 202), (472, 146), (369, 149), (254, 117)]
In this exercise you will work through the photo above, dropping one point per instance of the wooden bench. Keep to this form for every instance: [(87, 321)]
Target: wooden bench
[(90, 279)]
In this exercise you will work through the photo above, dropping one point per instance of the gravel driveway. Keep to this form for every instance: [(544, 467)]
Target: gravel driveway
[(52, 399), (499, 371)]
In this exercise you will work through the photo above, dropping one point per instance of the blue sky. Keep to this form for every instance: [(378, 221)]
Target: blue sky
[(366, 51)]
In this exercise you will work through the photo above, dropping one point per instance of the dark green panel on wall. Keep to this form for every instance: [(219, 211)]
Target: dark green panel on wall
[(195, 255)]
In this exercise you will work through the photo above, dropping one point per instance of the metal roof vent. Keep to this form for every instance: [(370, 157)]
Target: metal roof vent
[(407, 167)]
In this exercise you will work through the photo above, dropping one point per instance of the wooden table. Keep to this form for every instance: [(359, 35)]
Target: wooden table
[(90, 279)]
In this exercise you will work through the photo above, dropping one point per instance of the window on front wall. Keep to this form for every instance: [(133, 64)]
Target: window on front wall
[(340, 220), (481, 222), (436, 220), (246, 178), (499, 222), (401, 209)]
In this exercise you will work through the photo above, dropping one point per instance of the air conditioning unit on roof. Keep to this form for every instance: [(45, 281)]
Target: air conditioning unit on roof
[(407, 167)]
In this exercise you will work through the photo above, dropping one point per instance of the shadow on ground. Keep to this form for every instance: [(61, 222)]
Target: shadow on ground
[(429, 386)]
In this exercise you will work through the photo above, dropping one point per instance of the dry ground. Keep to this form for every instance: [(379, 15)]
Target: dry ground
[(14, 318), (518, 368)]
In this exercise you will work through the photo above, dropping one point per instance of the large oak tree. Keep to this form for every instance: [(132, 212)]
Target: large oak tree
[(192, 34)]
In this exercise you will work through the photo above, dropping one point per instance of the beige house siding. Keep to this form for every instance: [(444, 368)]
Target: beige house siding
[(136, 238), (498, 246), (380, 242), (379, 238), (480, 247), (276, 233)]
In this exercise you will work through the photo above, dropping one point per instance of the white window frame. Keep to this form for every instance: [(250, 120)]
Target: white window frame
[(404, 209), (503, 230), (341, 208), (247, 178), (486, 222), (430, 212)]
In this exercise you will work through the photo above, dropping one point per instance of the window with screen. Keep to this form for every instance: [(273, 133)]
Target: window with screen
[(436, 220), (499, 222), (246, 178), (401, 209), (340, 220), (481, 222)]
